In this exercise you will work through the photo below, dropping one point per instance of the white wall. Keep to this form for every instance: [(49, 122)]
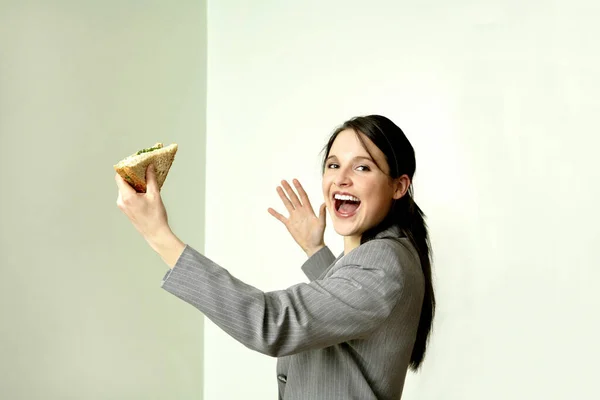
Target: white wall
[(82, 85), (498, 99)]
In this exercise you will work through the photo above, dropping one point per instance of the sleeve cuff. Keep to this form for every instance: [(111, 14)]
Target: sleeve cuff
[(318, 263), (168, 274)]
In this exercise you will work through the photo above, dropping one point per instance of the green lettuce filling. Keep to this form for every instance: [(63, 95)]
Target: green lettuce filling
[(148, 150)]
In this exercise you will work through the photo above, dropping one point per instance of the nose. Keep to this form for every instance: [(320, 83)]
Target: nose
[(342, 178)]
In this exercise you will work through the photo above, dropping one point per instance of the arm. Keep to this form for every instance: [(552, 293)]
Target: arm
[(318, 263), (350, 303)]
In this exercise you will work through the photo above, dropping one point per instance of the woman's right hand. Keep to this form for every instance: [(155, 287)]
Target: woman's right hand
[(305, 227)]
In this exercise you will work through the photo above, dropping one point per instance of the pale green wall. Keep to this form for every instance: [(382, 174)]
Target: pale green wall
[(82, 84)]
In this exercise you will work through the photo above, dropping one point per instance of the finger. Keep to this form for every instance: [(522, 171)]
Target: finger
[(121, 204), (124, 187), (303, 196), (277, 215), (119, 201), (292, 195), (322, 212), (286, 202), (151, 183)]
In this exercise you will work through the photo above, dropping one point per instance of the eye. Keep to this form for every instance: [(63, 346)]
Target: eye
[(332, 165), (363, 168)]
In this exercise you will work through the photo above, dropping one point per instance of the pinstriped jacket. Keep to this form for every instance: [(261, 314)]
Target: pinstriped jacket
[(346, 334)]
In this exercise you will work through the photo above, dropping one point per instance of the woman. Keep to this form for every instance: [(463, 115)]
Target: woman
[(364, 318)]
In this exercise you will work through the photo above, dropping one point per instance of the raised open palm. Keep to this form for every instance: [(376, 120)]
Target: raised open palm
[(305, 227)]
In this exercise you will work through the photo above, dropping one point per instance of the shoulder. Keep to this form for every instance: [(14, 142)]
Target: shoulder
[(382, 263), (394, 253)]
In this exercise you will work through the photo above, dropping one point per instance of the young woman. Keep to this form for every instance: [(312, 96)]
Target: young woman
[(364, 318)]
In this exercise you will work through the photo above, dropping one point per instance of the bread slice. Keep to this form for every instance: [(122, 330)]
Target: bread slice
[(133, 168)]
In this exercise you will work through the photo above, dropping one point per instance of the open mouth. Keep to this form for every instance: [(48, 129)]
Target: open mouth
[(346, 204)]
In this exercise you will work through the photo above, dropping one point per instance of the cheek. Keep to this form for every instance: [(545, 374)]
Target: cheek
[(379, 199), (325, 189), (326, 184)]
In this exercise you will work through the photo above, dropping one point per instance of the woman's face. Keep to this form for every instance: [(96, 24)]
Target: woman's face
[(357, 193)]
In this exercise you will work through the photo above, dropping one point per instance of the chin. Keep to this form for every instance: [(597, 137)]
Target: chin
[(344, 230)]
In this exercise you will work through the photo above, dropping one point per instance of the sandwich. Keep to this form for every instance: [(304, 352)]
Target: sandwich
[(133, 168)]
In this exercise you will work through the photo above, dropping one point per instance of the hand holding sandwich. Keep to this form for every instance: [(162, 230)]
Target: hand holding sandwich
[(149, 216)]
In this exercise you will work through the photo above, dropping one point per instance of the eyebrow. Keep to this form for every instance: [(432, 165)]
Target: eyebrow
[(355, 158)]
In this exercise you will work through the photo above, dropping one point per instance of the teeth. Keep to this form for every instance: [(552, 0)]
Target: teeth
[(345, 197)]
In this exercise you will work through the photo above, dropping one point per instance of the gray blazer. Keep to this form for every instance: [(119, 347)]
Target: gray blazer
[(347, 334)]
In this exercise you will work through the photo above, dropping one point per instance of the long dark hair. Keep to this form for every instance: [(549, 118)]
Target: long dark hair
[(404, 213)]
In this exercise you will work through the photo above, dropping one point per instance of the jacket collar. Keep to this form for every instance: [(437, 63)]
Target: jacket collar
[(391, 231)]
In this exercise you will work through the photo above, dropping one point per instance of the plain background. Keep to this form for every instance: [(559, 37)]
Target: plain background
[(82, 85), (498, 99)]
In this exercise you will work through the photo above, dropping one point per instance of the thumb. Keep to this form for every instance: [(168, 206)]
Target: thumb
[(151, 184), (322, 212)]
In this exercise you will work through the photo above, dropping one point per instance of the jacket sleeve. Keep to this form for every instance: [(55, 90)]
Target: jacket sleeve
[(353, 300), (316, 264)]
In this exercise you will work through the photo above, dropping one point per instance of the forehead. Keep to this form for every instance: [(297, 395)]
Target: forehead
[(347, 141), (347, 145)]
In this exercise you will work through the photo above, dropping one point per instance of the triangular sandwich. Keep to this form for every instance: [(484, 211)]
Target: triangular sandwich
[(133, 168)]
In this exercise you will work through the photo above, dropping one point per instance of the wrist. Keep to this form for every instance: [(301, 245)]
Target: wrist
[(309, 252), (168, 246)]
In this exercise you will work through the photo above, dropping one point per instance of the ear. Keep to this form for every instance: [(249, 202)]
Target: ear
[(401, 186)]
